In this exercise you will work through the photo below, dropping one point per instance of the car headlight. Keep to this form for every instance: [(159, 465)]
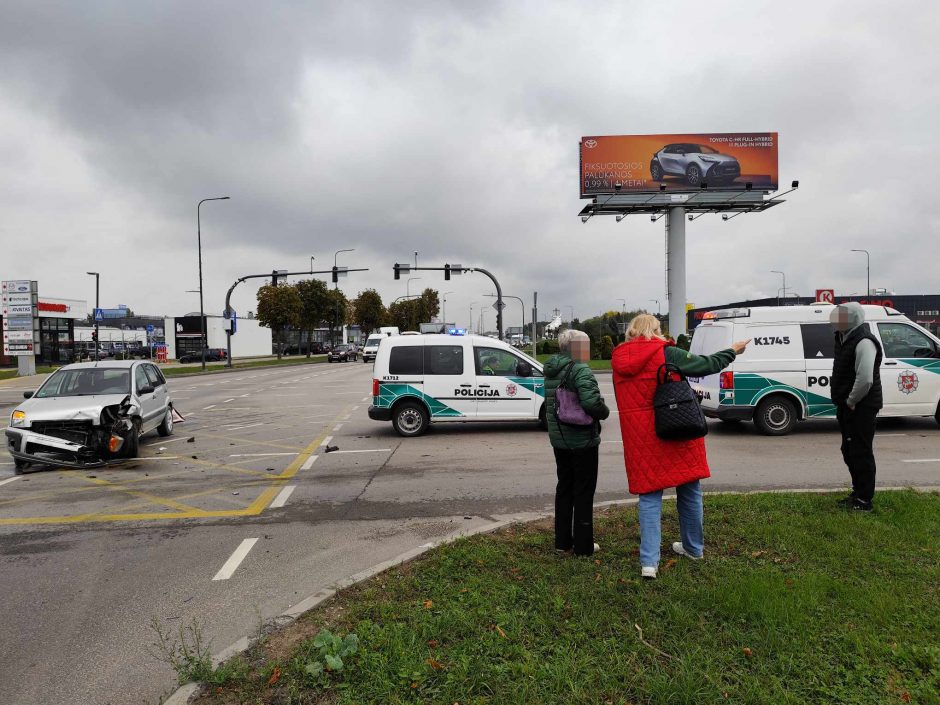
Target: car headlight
[(18, 418), (708, 159)]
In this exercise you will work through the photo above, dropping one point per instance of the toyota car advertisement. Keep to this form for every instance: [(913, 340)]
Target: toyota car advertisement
[(723, 161)]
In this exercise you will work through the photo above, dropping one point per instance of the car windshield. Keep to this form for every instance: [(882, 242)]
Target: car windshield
[(340, 348), (86, 382)]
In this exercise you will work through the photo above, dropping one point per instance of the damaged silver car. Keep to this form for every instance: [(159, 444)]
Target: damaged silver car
[(87, 414)]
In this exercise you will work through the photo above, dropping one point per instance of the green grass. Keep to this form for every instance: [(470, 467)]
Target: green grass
[(10, 374), (220, 366), (796, 602), (593, 364)]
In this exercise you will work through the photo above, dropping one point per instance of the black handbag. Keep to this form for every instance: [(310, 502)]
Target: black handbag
[(678, 413)]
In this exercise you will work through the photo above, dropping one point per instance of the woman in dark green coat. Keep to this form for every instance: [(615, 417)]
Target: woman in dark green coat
[(575, 446)]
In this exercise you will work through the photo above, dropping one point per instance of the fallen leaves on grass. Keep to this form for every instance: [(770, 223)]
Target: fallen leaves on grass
[(435, 664), (500, 631), (275, 676), (428, 604), (433, 643), (747, 652), (669, 564)]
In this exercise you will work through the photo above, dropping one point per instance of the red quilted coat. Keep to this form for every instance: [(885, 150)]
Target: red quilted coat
[(652, 464)]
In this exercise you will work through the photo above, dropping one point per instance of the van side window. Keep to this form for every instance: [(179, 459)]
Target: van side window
[(493, 361), (818, 341), (901, 340), (443, 359), (406, 360)]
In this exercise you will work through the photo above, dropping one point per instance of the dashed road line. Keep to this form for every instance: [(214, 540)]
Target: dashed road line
[(337, 427), (308, 463), (369, 450), (282, 496), (326, 441), (206, 408), (9, 479), (237, 428), (228, 400), (922, 460), (231, 565)]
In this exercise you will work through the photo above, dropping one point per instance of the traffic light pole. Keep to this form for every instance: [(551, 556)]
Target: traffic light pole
[(228, 297), (448, 269)]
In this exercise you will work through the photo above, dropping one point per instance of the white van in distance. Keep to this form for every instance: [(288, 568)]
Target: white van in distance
[(424, 379), (783, 377)]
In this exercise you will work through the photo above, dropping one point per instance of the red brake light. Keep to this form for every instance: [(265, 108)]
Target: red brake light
[(726, 380), (375, 387)]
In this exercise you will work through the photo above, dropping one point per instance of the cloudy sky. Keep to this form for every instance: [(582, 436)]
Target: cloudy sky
[(452, 128)]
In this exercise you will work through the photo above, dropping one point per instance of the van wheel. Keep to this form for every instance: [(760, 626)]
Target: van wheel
[(937, 415), (543, 422), (410, 418), (775, 416)]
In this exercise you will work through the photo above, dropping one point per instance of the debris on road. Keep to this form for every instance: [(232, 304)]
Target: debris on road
[(191, 439), (332, 449)]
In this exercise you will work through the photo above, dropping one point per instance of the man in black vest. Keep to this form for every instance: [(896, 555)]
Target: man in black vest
[(856, 392)]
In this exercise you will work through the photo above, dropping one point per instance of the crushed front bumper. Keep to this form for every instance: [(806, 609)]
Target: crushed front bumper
[(40, 449)]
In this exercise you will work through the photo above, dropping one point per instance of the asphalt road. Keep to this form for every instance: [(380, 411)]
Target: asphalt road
[(88, 559)]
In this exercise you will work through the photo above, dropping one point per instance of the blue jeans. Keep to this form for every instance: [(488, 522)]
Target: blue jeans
[(689, 504)]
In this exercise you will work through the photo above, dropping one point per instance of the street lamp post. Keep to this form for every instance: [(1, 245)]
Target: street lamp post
[(444, 307), (657, 306), (867, 270), (470, 327), (408, 285), (202, 313), (571, 312), (97, 277), (311, 263), (777, 271)]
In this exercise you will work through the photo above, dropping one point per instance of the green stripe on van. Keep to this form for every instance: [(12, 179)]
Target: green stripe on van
[(750, 388), (390, 393)]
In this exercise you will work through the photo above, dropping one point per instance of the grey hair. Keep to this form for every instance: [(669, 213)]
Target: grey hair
[(567, 337)]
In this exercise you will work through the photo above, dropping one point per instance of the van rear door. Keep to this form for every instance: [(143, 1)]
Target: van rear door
[(709, 338)]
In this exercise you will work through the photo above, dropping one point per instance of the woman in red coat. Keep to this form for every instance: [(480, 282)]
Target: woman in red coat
[(652, 463)]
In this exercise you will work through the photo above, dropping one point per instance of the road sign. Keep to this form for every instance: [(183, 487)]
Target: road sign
[(150, 327), (98, 315), (499, 304), (18, 323), (18, 310), (18, 286), (18, 299), (17, 336), (826, 296)]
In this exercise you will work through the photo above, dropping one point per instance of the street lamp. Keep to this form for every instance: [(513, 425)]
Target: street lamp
[(408, 284), (777, 271), (311, 263), (97, 307), (444, 306), (868, 270), (571, 311), (657, 306), (351, 249), (202, 313), (472, 304)]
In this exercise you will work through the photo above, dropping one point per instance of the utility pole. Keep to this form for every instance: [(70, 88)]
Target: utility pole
[(868, 271)]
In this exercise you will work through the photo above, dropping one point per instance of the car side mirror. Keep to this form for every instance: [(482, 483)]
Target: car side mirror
[(145, 390), (28, 395), (524, 369)]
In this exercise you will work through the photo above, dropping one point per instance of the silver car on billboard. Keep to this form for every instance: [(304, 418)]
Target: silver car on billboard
[(695, 163)]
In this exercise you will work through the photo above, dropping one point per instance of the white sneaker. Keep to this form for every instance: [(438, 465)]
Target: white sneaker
[(677, 547), (597, 547), (648, 572)]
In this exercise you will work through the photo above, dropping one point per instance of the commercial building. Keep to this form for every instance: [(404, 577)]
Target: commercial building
[(923, 309)]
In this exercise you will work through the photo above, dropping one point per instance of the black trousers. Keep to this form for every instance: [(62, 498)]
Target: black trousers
[(574, 499), (858, 435)]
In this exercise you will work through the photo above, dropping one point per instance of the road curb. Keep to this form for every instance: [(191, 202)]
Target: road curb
[(185, 692)]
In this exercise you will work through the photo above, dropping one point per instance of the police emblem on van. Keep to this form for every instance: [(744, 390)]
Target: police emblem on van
[(907, 382), (511, 390)]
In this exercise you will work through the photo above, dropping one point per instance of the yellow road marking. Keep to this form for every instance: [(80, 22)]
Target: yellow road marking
[(152, 499)]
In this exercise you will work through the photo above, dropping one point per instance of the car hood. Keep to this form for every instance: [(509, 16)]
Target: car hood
[(718, 157), (69, 408)]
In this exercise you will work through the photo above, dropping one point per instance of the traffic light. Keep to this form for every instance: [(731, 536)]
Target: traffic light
[(273, 277), (94, 336), (397, 271), (446, 272), (335, 274)]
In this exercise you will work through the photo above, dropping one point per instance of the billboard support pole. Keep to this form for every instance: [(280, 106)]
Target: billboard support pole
[(675, 267)]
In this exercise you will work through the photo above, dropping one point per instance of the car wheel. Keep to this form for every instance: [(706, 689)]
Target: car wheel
[(693, 174), (656, 171), (19, 466), (410, 418), (543, 421), (775, 416), (937, 415), (132, 442), (166, 426)]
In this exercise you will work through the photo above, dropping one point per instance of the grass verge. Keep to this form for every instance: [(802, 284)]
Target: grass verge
[(10, 374), (221, 366), (797, 601)]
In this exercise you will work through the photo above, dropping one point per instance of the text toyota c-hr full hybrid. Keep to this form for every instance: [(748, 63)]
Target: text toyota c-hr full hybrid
[(696, 163)]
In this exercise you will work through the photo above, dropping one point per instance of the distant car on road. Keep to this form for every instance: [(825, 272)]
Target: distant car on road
[(86, 414), (212, 355), (342, 353), (696, 163)]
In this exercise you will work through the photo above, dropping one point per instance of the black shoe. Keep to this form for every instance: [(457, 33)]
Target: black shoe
[(861, 505), (846, 502)]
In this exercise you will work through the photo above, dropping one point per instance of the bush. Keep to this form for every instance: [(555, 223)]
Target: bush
[(547, 347), (607, 347)]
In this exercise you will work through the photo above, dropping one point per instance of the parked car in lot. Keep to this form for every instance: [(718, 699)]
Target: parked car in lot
[(695, 163), (88, 413), (342, 353), (212, 355)]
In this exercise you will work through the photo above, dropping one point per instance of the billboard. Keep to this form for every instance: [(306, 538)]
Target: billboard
[(724, 161)]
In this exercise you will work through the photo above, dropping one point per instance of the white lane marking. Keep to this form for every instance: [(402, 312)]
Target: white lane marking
[(228, 400), (206, 408), (326, 441), (922, 460), (354, 408), (236, 428), (231, 565), (256, 455), (337, 427), (308, 463), (345, 418), (366, 398), (282, 496), (246, 395), (889, 435), (161, 441), (9, 479), (371, 450), (160, 457)]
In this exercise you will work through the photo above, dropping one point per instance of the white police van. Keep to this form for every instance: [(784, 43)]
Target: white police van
[(783, 376), (424, 379)]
